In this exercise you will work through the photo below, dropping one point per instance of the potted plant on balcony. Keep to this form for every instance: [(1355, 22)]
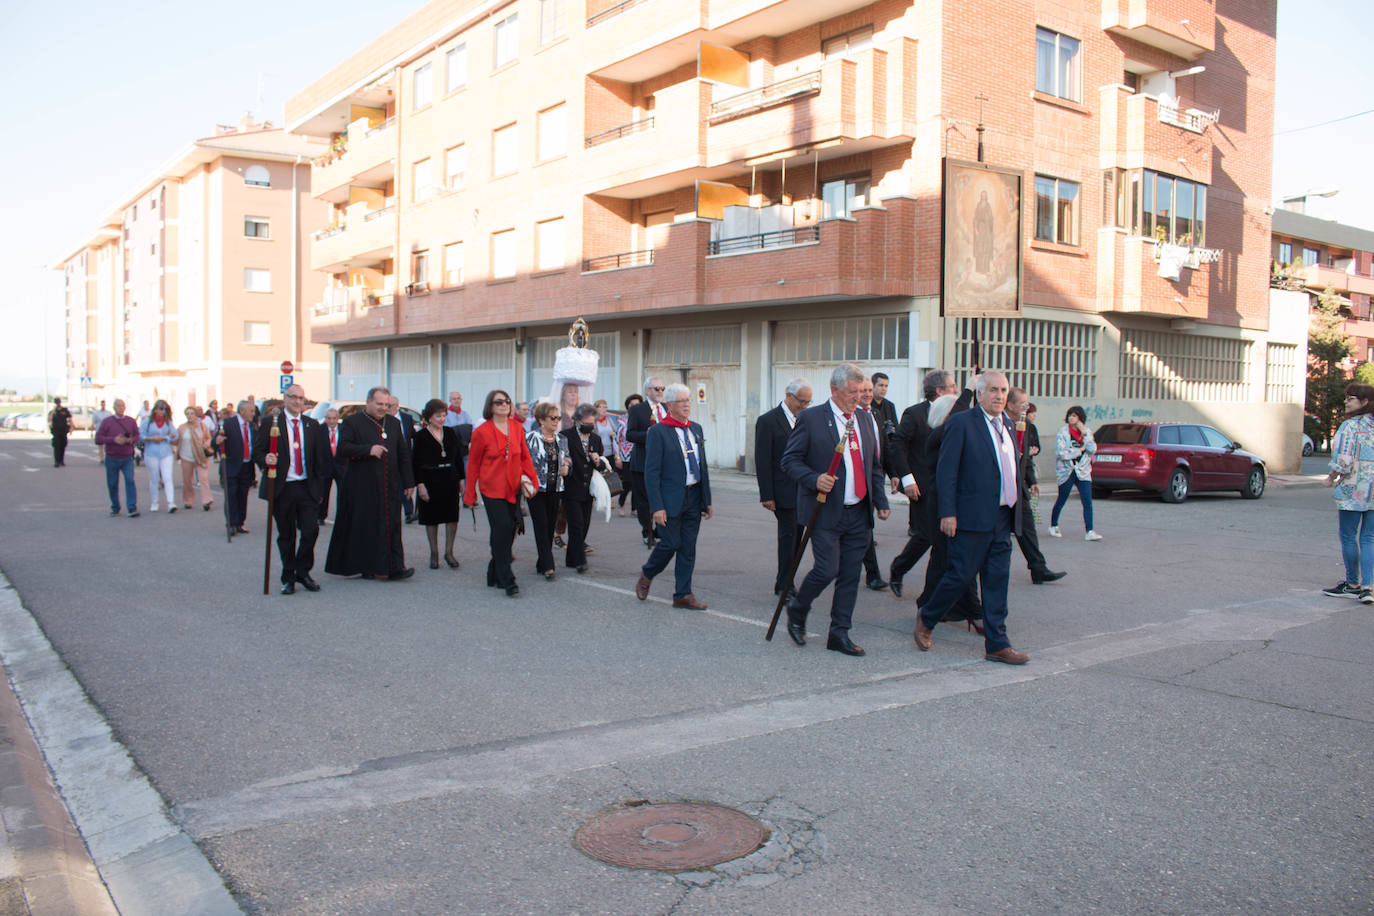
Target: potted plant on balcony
[(371, 299)]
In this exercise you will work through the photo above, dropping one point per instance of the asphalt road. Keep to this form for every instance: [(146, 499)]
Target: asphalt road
[(1191, 735)]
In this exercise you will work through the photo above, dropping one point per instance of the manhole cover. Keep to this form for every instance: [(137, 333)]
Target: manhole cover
[(671, 836)]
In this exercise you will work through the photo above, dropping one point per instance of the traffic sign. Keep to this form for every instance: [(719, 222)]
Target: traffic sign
[(287, 368), (285, 382)]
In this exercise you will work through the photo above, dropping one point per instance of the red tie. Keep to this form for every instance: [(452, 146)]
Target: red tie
[(297, 464), (856, 464), (243, 427), (333, 441)]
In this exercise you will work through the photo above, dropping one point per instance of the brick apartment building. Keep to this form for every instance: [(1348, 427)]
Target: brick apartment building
[(733, 193), (196, 286), (1313, 255)]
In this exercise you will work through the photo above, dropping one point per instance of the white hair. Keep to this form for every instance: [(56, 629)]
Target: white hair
[(844, 374), (980, 384), (674, 391), (797, 384), (648, 381), (939, 409)]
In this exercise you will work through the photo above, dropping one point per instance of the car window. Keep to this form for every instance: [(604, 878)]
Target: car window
[(1191, 435), (1214, 438), (1168, 435), (1122, 434)]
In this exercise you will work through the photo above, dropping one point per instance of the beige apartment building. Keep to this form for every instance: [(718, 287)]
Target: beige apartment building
[(197, 286), (737, 192)]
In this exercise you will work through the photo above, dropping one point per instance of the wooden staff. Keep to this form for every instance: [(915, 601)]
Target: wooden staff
[(271, 502), (810, 526)]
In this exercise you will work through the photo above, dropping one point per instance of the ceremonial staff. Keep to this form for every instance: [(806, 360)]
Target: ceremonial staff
[(271, 501), (810, 526)]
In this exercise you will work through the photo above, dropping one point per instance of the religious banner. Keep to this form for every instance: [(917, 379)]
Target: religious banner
[(982, 240)]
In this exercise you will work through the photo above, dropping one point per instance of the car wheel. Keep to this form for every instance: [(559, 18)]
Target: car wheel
[(1254, 484), (1176, 490), (1306, 450)]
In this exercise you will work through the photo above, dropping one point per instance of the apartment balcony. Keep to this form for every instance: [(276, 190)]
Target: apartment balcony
[(1184, 28), (351, 313), (1139, 132), (1318, 277), (1129, 277), (655, 153), (365, 238), (367, 157)]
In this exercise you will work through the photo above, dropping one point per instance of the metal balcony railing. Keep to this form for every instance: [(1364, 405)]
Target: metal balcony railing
[(615, 133), (611, 11), (378, 128), (1196, 256), (765, 240), (1188, 118), (778, 93), (374, 214), (614, 261)]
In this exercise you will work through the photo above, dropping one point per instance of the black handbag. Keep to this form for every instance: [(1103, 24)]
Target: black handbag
[(614, 483)]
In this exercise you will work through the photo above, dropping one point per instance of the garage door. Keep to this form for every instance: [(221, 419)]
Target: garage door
[(408, 376), (812, 350), (355, 371), (477, 368), (707, 361)]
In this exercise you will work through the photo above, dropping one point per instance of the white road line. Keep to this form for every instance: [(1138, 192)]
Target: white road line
[(32, 454), (762, 624)]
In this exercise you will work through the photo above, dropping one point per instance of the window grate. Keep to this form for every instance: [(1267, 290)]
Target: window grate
[(694, 346), (1161, 366), (410, 360), (1049, 359), (1280, 373), (488, 355), (876, 339), (360, 362)]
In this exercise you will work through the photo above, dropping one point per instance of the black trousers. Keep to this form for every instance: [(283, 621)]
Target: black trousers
[(641, 504), (298, 525), (788, 536), (543, 514), (324, 503), (1029, 542), (872, 573), (970, 605), (838, 552), (59, 451), (236, 487), (916, 545), (501, 518), (579, 515)]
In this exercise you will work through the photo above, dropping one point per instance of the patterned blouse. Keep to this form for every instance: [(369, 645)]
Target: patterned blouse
[(539, 454), (1352, 456), (1072, 459)]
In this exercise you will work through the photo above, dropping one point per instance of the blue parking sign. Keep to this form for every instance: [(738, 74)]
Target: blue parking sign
[(285, 383)]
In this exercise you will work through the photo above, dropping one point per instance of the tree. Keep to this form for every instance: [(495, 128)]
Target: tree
[(1327, 347), (1364, 373)]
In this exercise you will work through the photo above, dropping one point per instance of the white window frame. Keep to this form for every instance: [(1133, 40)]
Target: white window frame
[(503, 254), (261, 221), (553, 20), (421, 180), (255, 176), (257, 280), (458, 54), (453, 264), (550, 244), (1058, 43), (551, 132), (422, 91), (250, 333), (1057, 198), (505, 41), (847, 44), (455, 180), (505, 150)]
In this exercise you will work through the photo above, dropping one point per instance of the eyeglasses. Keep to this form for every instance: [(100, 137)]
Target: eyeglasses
[(554, 416), (1351, 397), (498, 401), (655, 387)]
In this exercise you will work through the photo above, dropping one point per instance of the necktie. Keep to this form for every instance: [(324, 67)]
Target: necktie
[(856, 463), (691, 453), (653, 415), (1004, 461), (297, 461), (247, 445), (333, 441)]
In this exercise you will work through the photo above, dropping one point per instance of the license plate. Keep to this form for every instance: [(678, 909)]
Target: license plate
[(1107, 459)]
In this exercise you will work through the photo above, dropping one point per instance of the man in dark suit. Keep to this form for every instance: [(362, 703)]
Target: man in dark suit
[(300, 455), (1027, 446), (237, 436), (980, 508), (777, 491), (337, 467), (637, 422), (679, 491), (844, 524), (910, 450), (407, 433)]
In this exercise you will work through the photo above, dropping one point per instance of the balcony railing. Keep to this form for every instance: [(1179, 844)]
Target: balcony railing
[(1195, 258), (378, 128), (615, 261), (328, 232), (615, 133), (371, 299), (1188, 118), (611, 11), (374, 214), (781, 239), (778, 93)]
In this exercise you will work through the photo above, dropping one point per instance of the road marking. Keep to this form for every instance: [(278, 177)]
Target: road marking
[(329, 790), (629, 591), (33, 454)]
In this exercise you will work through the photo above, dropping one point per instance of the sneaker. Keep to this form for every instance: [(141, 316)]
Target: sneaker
[(170, 509), (114, 513), (1366, 596), (1342, 590), (1054, 531), (1092, 536), (133, 514)]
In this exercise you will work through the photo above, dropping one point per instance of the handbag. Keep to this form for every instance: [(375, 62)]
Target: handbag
[(614, 483)]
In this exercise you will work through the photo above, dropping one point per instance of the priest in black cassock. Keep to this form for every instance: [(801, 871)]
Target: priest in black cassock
[(368, 517)]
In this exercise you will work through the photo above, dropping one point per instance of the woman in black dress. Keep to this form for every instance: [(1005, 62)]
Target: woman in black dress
[(438, 459), (549, 452), (584, 450)]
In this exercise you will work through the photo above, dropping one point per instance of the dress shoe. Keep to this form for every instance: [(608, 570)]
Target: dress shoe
[(842, 644), (588, 548), (582, 567), (1046, 576), (642, 587), (877, 584), (895, 583), (310, 584), (924, 638), (402, 574), (1008, 656), (434, 561), (136, 513), (797, 631), (242, 530), (410, 519), (512, 591), (451, 560), (549, 576), (288, 588), (690, 602)]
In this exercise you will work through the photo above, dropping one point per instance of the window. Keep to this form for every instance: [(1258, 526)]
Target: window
[(844, 195), (506, 41), (552, 128), (503, 254), (552, 16), (257, 333), (456, 167), (422, 181), (152, 203), (848, 44), (504, 143), (1310, 256), (1058, 62), (419, 271), (255, 227), (424, 87), (257, 280), (1056, 210), (1214, 438), (1168, 435), (456, 68), (1285, 253), (152, 249), (548, 245), (1171, 209), (453, 264), (257, 176)]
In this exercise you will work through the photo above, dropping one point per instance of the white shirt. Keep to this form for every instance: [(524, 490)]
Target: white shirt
[(1005, 447), (292, 444), (850, 498), (688, 443), (791, 417)]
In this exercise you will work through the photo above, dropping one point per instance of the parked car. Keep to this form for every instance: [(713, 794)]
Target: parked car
[(1307, 446), (34, 422), (1174, 460), (7, 421), (348, 408)]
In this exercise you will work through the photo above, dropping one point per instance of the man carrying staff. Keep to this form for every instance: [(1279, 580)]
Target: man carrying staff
[(303, 467), (368, 518), (844, 524)]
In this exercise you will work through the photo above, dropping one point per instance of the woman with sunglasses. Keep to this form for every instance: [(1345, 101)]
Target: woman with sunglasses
[(549, 452), (499, 465)]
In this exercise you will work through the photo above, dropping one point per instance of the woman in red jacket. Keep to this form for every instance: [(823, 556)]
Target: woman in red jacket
[(499, 464)]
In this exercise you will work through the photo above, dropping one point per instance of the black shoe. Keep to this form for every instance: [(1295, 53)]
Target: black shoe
[(288, 588), (136, 514), (171, 509), (241, 530), (410, 519), (451, 560), (842, 644), (895, 583), (512, 591), (434, 561), (549, 576), (402, 574), (797, 631), (582, 567), (877, 584), (1046, 576), (114, 513), (367, 576), (310, 584)]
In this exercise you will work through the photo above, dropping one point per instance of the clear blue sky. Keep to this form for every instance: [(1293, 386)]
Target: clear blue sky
[(102, 95)]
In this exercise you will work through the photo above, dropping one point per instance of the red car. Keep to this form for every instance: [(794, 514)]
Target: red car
[(1174, 459)]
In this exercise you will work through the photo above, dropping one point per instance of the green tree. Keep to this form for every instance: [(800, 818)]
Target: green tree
[(1327, 347), (1364, 373)]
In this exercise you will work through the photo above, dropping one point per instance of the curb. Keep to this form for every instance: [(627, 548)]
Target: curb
[(148, 864)]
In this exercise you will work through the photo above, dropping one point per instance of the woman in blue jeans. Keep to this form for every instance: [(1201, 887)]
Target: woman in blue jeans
[(1073, 456), (1352, 480)]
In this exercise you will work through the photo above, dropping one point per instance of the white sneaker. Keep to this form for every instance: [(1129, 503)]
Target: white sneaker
[(1092, 536), (1054, 531), (152, 508)]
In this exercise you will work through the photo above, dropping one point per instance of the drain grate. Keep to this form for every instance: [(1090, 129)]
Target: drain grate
[(671, 836)]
